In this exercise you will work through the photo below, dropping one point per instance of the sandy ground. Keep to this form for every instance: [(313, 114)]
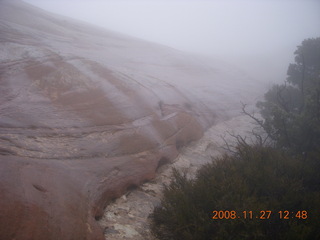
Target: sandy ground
[(128, 216)]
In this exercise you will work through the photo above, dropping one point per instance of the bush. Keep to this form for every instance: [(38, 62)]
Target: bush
[(256, 179)]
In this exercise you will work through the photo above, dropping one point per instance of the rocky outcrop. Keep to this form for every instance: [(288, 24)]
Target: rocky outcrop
[(86, 114), (129, 217)]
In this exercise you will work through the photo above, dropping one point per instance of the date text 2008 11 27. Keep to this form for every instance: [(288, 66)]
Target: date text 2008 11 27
[(263, 214)]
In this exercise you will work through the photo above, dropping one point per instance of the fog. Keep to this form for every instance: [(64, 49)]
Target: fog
[(257, 36)]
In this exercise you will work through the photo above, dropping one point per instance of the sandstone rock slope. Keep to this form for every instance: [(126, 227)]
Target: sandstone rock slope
[(86, 113)]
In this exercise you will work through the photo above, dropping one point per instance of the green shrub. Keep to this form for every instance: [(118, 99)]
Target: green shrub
[(256, 179)]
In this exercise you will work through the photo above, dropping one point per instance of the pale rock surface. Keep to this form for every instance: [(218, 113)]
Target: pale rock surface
[(86, 114)]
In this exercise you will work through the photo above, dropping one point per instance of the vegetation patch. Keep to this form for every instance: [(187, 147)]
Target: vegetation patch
[(243, 189)]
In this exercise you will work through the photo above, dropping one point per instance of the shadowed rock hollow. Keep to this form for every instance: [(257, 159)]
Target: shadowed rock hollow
[(86, 113)]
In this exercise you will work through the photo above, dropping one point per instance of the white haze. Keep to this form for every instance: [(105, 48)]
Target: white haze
[(258, 36)]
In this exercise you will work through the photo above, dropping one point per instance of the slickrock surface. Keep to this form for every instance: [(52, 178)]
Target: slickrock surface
[(86, 114)]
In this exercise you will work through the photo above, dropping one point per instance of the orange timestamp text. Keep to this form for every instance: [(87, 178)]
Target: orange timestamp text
[(263, 214)]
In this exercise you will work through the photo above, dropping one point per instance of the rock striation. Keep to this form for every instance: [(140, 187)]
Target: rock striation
[(86, 114), (128, 217)]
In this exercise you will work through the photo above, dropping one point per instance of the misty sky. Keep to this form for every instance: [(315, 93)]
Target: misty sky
[(232, 29)]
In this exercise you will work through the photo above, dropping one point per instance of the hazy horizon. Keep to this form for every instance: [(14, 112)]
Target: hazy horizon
[(258, 36)]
